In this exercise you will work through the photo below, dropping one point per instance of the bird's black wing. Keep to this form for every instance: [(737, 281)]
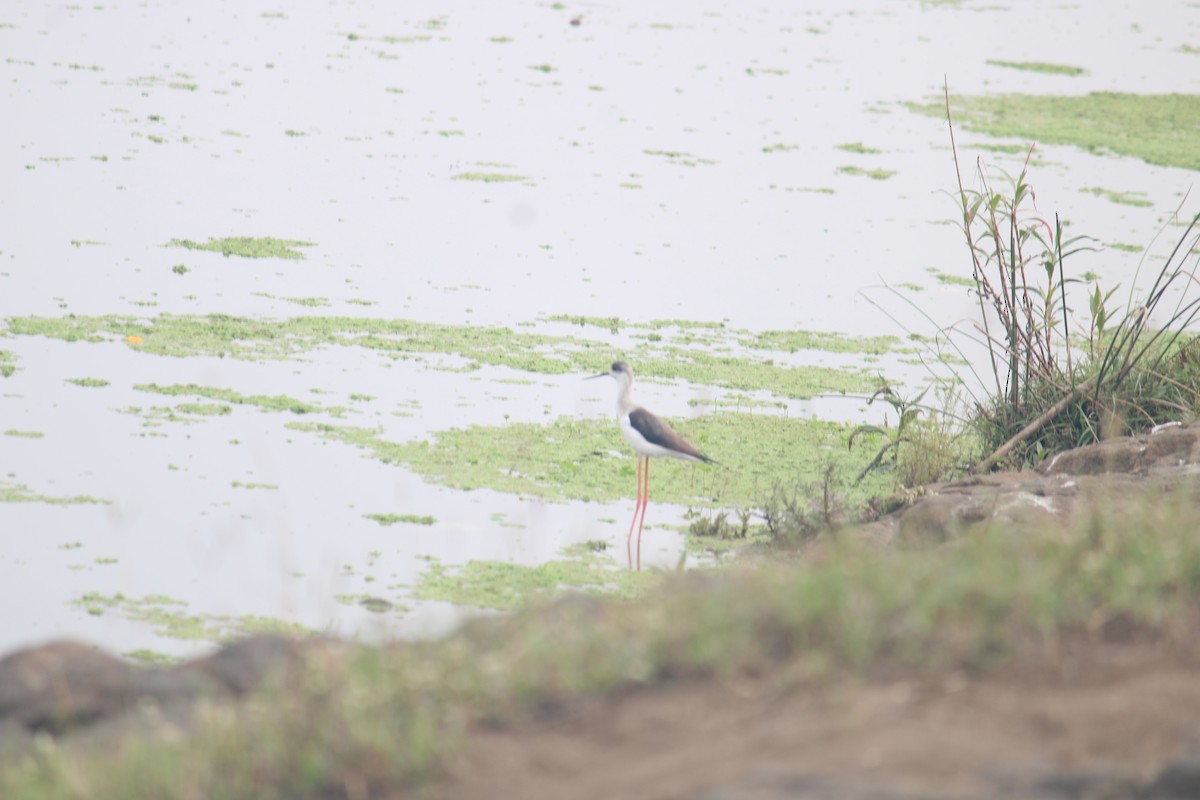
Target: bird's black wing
[(655, 431)]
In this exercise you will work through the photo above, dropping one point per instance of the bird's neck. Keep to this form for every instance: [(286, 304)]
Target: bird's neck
[(625, 398)]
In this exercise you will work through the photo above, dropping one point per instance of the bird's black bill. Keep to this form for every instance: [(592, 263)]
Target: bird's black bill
[(601, 375)]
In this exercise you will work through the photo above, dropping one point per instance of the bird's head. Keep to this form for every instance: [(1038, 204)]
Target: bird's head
[(621, 372)]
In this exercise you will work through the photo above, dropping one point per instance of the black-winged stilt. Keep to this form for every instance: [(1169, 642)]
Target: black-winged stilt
[(649, 437)]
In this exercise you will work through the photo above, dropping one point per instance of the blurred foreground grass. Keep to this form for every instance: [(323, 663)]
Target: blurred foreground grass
[(386, 720)]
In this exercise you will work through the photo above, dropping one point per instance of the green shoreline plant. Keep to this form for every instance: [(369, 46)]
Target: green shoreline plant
[(1056, 388), (1054, 383)]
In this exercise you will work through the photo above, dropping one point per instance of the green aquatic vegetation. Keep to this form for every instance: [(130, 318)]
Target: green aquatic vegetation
[(1039, 66), (610, 324), (376, 605), (780, 148), (94, 383), (489, 177), (948, 279), (151, 658), (680, 157), (737, 402), (252, 485), (7, 367), (858, 147), (155, 416), (204, 409), (278, 402), (311, 302), (1137, 199), (830, 342), (240, 337), (716, 333), (247, 247), (20, 493), (505, 586), (1125, 248), (873, 174), (571, 459), (1010, 149), (24, 434), (1159, 129), (392, 519), (169, 617)]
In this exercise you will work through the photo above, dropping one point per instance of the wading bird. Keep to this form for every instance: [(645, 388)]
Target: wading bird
[(650, 437)]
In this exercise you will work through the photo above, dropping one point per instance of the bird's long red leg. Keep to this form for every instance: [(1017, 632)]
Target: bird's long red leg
[(632, 522), (645, 505)]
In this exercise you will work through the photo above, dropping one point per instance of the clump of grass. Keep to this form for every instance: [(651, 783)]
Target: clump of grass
[(721, 525), (797, 513), (926, 445), (1054, 386), (383, 722)]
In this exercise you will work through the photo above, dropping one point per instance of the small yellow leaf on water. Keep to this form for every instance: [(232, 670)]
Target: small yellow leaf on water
[(133, 339)]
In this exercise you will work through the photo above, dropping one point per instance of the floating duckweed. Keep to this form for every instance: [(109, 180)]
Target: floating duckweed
[(204, 409), (489, 177), (1040, 66), (503, 585), (392, 519), (169, 617), (688, 355), (873, 174), (247, 247), (88, 382), (279, 402), (1159, 129), (572, 459), (20, 493), (1136, 199)]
